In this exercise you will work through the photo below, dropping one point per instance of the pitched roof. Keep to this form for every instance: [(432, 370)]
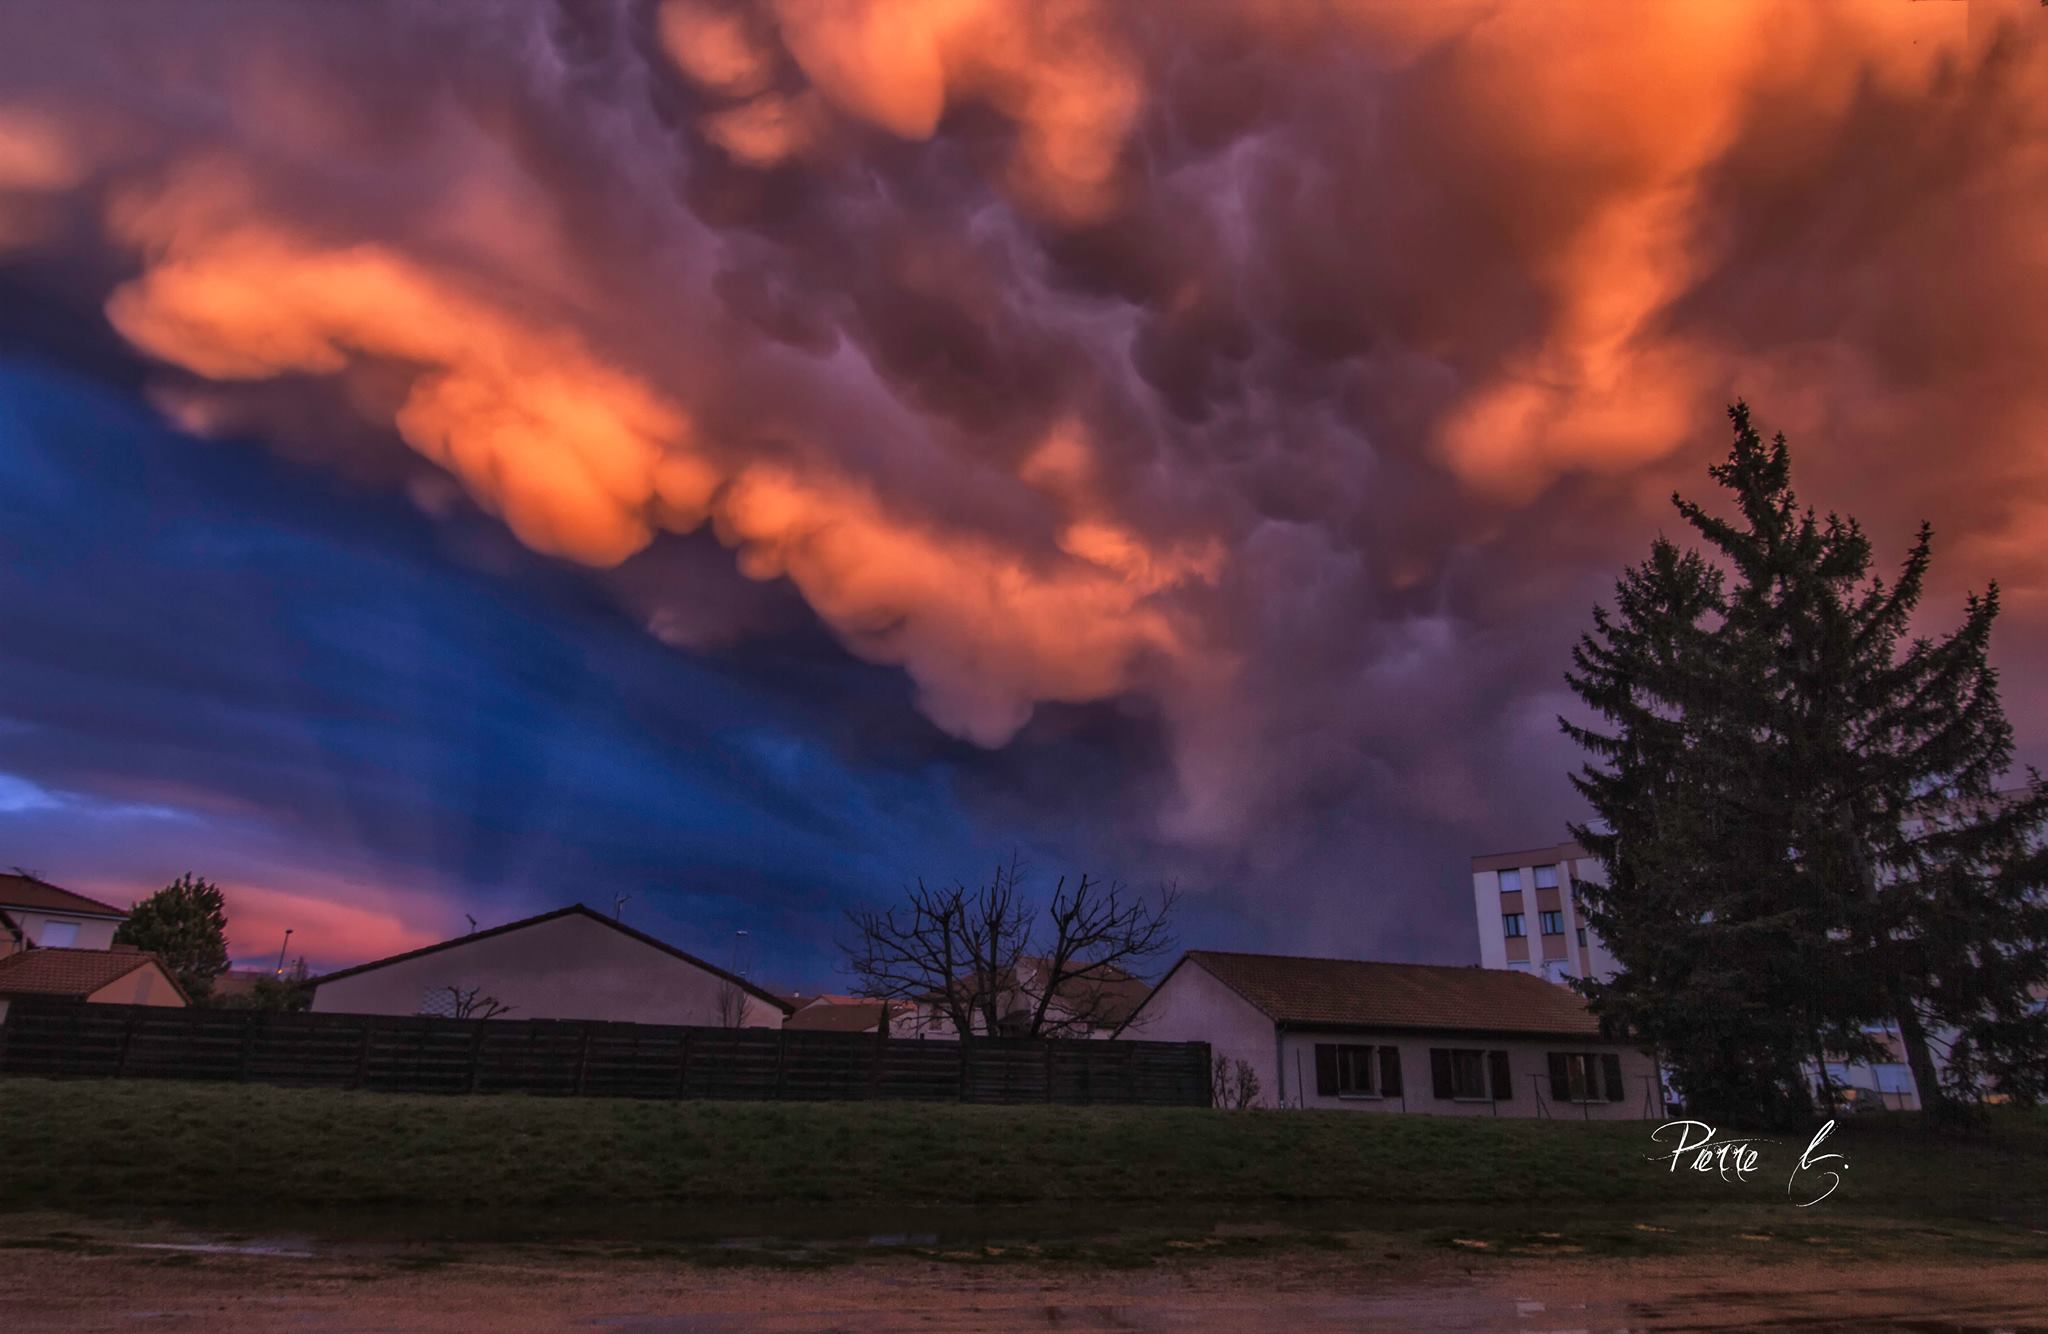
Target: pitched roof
[(70, 972), (1108, 994), (21, 890), (838, 1016), (1359, 993), (574, 909)]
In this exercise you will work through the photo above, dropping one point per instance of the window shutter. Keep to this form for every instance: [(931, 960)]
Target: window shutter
[(1440, 1071), (1390, 1072), (1326, 1070), (1560, 1077), (1503, 1078), (1610, 1066)]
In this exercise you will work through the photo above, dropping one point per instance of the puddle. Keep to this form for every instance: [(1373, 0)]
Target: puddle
[(271, 1248)]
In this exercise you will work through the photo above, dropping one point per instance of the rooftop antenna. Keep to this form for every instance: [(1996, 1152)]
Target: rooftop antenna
[(472, 922), (619, 902)]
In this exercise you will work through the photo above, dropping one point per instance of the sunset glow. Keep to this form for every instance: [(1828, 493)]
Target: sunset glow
[(1250, 397)]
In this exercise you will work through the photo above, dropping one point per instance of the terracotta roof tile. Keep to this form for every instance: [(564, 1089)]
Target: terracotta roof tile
[(25, 891), (66, 972), (1357, 993), (837, 1016)]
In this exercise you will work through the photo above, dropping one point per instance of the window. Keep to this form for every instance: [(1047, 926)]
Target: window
[(1510, 882), (1511, 925), (57, 935), (1468, 1074), (1353, 1065), (1553, 922), (1353, 1070), (1546, 877), (1579, 1076), (1582, 937)]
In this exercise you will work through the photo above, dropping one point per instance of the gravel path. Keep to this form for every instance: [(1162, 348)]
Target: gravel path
[(158, 1283)]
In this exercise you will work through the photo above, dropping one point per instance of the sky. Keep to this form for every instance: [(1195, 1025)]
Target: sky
[(732, 460)]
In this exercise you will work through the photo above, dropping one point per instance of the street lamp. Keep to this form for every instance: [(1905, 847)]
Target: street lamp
[(281, 949)]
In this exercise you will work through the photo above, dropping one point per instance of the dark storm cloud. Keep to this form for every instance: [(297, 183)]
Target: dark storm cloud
[(311, 694)]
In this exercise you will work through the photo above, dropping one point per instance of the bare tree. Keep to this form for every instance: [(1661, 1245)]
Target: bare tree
[(470, 1005), (732, 1003), (989, 961), (1233, 1087)]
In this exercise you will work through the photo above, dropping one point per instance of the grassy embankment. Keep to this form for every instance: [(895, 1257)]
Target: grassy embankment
[(351, 1164)]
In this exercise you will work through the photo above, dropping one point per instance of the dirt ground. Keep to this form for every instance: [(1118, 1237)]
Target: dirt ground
[(171, 1282)]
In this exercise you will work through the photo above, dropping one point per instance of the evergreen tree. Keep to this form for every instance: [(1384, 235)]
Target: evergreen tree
[(185, 924), (1806, 834), (1710, 950)]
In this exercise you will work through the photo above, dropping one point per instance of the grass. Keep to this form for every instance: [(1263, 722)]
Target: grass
[(361, 1164)]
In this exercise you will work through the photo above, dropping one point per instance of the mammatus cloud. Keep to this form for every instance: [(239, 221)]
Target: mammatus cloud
[(1298, 371)]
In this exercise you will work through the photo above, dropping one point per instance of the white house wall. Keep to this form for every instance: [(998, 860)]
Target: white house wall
[(570, 967), (1192, 1006), (94, 933)]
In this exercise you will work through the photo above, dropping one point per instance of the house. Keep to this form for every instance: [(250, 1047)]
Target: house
[(571, 963), (1396, 1037), (848, 1014), (1093, 1005), (35, 913), (122, 975)]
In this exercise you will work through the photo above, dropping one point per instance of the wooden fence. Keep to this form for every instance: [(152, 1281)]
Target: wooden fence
[(406, 1054)]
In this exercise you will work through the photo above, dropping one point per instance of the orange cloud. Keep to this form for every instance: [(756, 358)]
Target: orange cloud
[(1267, 359), (1051, 67), (586, 460)]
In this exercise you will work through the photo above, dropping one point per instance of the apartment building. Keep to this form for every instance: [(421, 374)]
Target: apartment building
[(1529, 916), (1530, 921)]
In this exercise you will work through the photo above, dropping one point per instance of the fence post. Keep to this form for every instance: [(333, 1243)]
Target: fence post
[(582, 1060), (476, 1054), (781, 1060), (127, 1040), (363, 1056), (683, 1066), (966, 1075), (248, 1046)]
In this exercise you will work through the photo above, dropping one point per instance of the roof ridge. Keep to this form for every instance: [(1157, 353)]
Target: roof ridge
[(26, 960), (1306, 991), (1372, 963), (574, 909), (18, 874)]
